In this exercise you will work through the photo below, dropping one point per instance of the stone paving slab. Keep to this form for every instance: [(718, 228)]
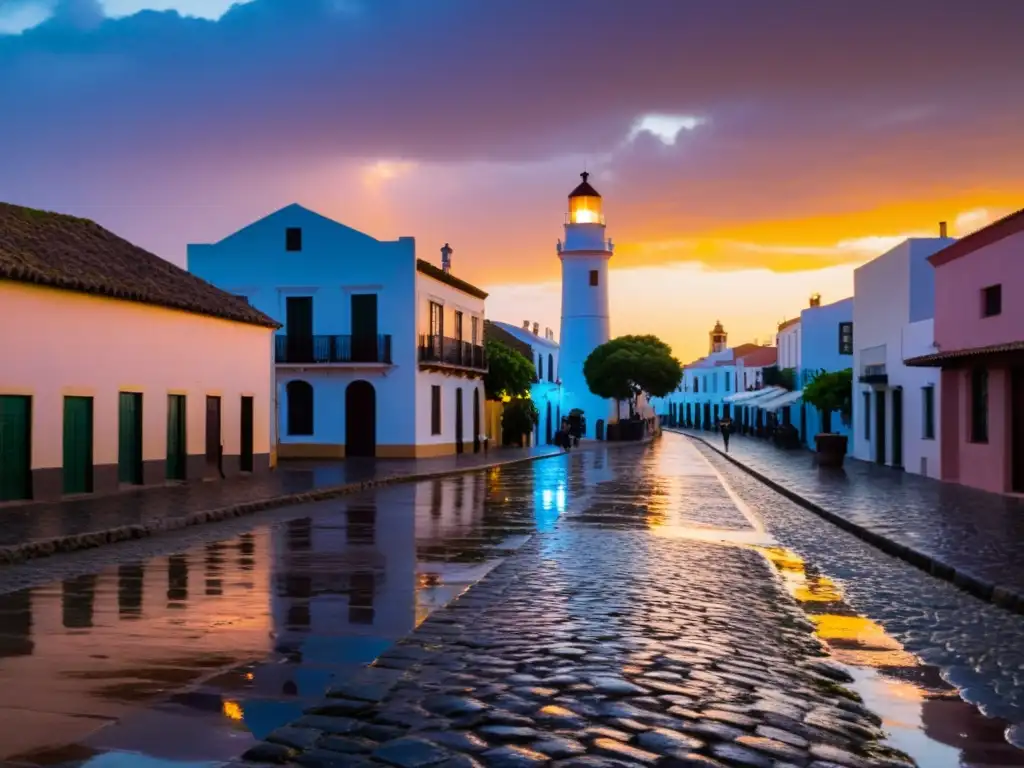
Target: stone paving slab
[(40, 529), (596, 648), (970, 537)]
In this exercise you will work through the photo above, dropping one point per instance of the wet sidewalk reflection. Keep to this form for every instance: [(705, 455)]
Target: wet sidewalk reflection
[(195, 655)]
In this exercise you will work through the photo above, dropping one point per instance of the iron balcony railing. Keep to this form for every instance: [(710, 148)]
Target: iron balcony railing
[(333, 349), (442, 350)]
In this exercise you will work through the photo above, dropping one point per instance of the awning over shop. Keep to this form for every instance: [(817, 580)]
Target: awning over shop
[(763, 396), (745, 398), (782, 400), (957, 357)]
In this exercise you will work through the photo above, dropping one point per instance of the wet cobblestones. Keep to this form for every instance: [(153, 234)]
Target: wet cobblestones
[(976, 533), (978, 646), (599, 648)]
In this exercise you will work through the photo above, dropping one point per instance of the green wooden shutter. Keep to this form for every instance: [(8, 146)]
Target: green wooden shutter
[(129, 444), (77, 444), (15, 447), (246, 459), (176, 450)]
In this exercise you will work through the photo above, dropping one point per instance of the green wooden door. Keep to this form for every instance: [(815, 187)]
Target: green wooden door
[(246, 458), (15, 447), (176, 454), (129, 443), (77, 445)]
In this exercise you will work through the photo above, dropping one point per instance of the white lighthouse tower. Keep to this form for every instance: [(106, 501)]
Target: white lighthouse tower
[(584, 253)]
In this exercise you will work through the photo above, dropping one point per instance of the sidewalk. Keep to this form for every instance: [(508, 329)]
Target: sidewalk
[(970, 537), (36, 530)]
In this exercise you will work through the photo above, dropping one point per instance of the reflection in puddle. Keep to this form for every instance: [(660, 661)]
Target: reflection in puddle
[(923, 715), (194, 655)]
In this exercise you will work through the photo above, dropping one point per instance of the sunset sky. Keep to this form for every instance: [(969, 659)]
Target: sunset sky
[(750, 152)]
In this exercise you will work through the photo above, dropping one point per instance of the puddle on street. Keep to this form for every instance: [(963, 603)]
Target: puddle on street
[(922, 714), (194, 656)]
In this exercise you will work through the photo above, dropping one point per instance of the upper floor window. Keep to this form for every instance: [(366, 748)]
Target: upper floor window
[(992, 301), (436, 319), (551, 367), (540, 365), (727, 381), (458, 326), (293, 239), (593, 277), (846, 338), (696, 384), (474, 329)]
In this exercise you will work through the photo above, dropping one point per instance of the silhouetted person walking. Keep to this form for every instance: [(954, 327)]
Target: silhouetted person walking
[(725, 425)]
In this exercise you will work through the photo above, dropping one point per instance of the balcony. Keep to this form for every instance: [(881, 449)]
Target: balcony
[(332, 350), (443, 352)]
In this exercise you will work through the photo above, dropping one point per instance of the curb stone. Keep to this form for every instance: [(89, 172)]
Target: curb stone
[(1003, 597), (31, 550)]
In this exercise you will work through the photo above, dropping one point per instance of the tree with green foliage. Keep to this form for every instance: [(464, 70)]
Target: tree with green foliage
[(509, 373), (518, 419), (830, 391), (628, 366)]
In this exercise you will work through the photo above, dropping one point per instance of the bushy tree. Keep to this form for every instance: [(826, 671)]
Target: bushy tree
[(509, 373), (830, 391), (623, 368), (518, 419)]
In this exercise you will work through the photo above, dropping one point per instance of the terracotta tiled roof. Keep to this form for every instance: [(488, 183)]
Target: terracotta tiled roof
[(956, 356), (787, 323), (72, 254), (744, 349), (760, 357), (994, 232), (448, 278)]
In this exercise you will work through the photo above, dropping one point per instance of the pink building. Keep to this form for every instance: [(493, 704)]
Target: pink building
[(979, 341)]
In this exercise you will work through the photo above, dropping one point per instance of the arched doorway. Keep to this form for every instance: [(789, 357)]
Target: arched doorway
[(458, 419), (476, 420), (360, 419), (547, 429), (300, 407)]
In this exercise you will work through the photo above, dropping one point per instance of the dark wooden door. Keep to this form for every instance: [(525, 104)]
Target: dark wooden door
[(15, 447), (77, 445), (213, 460), (129, 442), (177, 460), (476, 421), (458, 420), (360, 419), (246, 459), (547, 430), (880, 426), (299, 328), (364, 328), (897, 427), (1017, 441)]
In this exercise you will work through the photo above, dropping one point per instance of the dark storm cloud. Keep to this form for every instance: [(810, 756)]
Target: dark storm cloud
[(463, 79)]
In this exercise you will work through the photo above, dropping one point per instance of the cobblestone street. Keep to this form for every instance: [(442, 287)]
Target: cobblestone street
[(667, 610)]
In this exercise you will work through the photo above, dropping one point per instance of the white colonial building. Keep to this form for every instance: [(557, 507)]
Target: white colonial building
[(584, 253), (124, 370), (894, 405), (546, 390), (381, 353)]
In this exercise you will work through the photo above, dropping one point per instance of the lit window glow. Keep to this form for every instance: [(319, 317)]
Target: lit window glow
[(585, 210)]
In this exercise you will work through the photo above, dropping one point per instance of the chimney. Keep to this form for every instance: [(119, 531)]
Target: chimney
[(526, 325), (536, 329), (942, 229), (446, 259), (815, 299)]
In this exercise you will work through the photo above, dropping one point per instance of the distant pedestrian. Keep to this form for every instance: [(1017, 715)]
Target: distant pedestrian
[(726, 427)]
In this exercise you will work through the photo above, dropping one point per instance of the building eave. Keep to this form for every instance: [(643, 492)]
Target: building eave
[(957, 357), (994, 232), (430, 270)]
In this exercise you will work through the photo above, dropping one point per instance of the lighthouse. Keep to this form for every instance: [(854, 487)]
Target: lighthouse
[(584, 253)]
